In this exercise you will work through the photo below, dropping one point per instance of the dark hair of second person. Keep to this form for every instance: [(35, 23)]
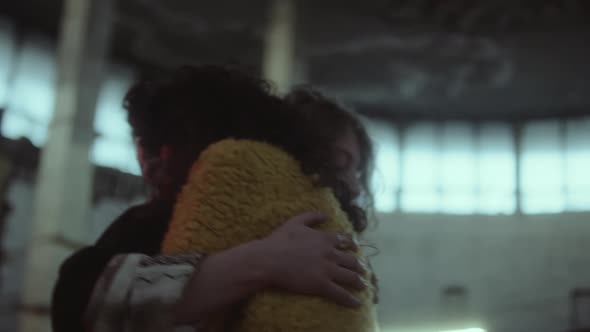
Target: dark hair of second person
[(331, 121)]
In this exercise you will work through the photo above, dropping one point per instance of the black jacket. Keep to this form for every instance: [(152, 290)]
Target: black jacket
[(140, 229)]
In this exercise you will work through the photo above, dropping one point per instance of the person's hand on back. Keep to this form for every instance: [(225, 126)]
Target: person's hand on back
[(303, 260), (294, 258)]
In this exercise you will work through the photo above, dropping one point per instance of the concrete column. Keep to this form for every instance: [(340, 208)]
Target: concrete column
[(64, 182), (279, 52)]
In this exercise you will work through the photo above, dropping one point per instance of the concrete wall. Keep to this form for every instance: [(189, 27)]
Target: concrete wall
[(518, 270)]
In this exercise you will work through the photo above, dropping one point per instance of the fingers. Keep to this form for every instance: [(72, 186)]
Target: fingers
[(342, 241), (346, 242), (349, 262), (348, 278), (340, 296), (310, 219)]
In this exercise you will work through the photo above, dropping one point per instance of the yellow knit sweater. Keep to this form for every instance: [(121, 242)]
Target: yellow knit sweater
[(241, 190)]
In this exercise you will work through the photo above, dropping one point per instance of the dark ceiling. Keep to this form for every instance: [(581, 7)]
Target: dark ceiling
[(434, 59)]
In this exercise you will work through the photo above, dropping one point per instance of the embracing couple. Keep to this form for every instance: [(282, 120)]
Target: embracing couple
[(130, 281)]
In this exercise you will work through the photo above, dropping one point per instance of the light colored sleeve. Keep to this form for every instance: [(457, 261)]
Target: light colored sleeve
[(138, 293)]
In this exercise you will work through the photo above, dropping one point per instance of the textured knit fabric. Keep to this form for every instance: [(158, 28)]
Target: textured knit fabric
[(242, 190)]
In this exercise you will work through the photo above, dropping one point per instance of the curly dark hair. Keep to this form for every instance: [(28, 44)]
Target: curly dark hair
[(328, 119), (200, 105)]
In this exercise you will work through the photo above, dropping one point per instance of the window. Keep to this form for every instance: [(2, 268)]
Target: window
[(577, 165), (496, 169), (385, 180), (30, 94), (114, 146), (28, 88), (458, 169), (420, 174), (467, 168), (542, 172)]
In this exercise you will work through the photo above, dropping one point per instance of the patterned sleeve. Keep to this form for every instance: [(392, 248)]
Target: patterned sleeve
[(138, 293)]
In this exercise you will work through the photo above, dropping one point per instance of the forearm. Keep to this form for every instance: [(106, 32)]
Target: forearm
[(144, 293), (139, 293), (216, 286)]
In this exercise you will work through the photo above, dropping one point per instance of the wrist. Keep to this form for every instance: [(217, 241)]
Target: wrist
[(224, 279), (256, 265)]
